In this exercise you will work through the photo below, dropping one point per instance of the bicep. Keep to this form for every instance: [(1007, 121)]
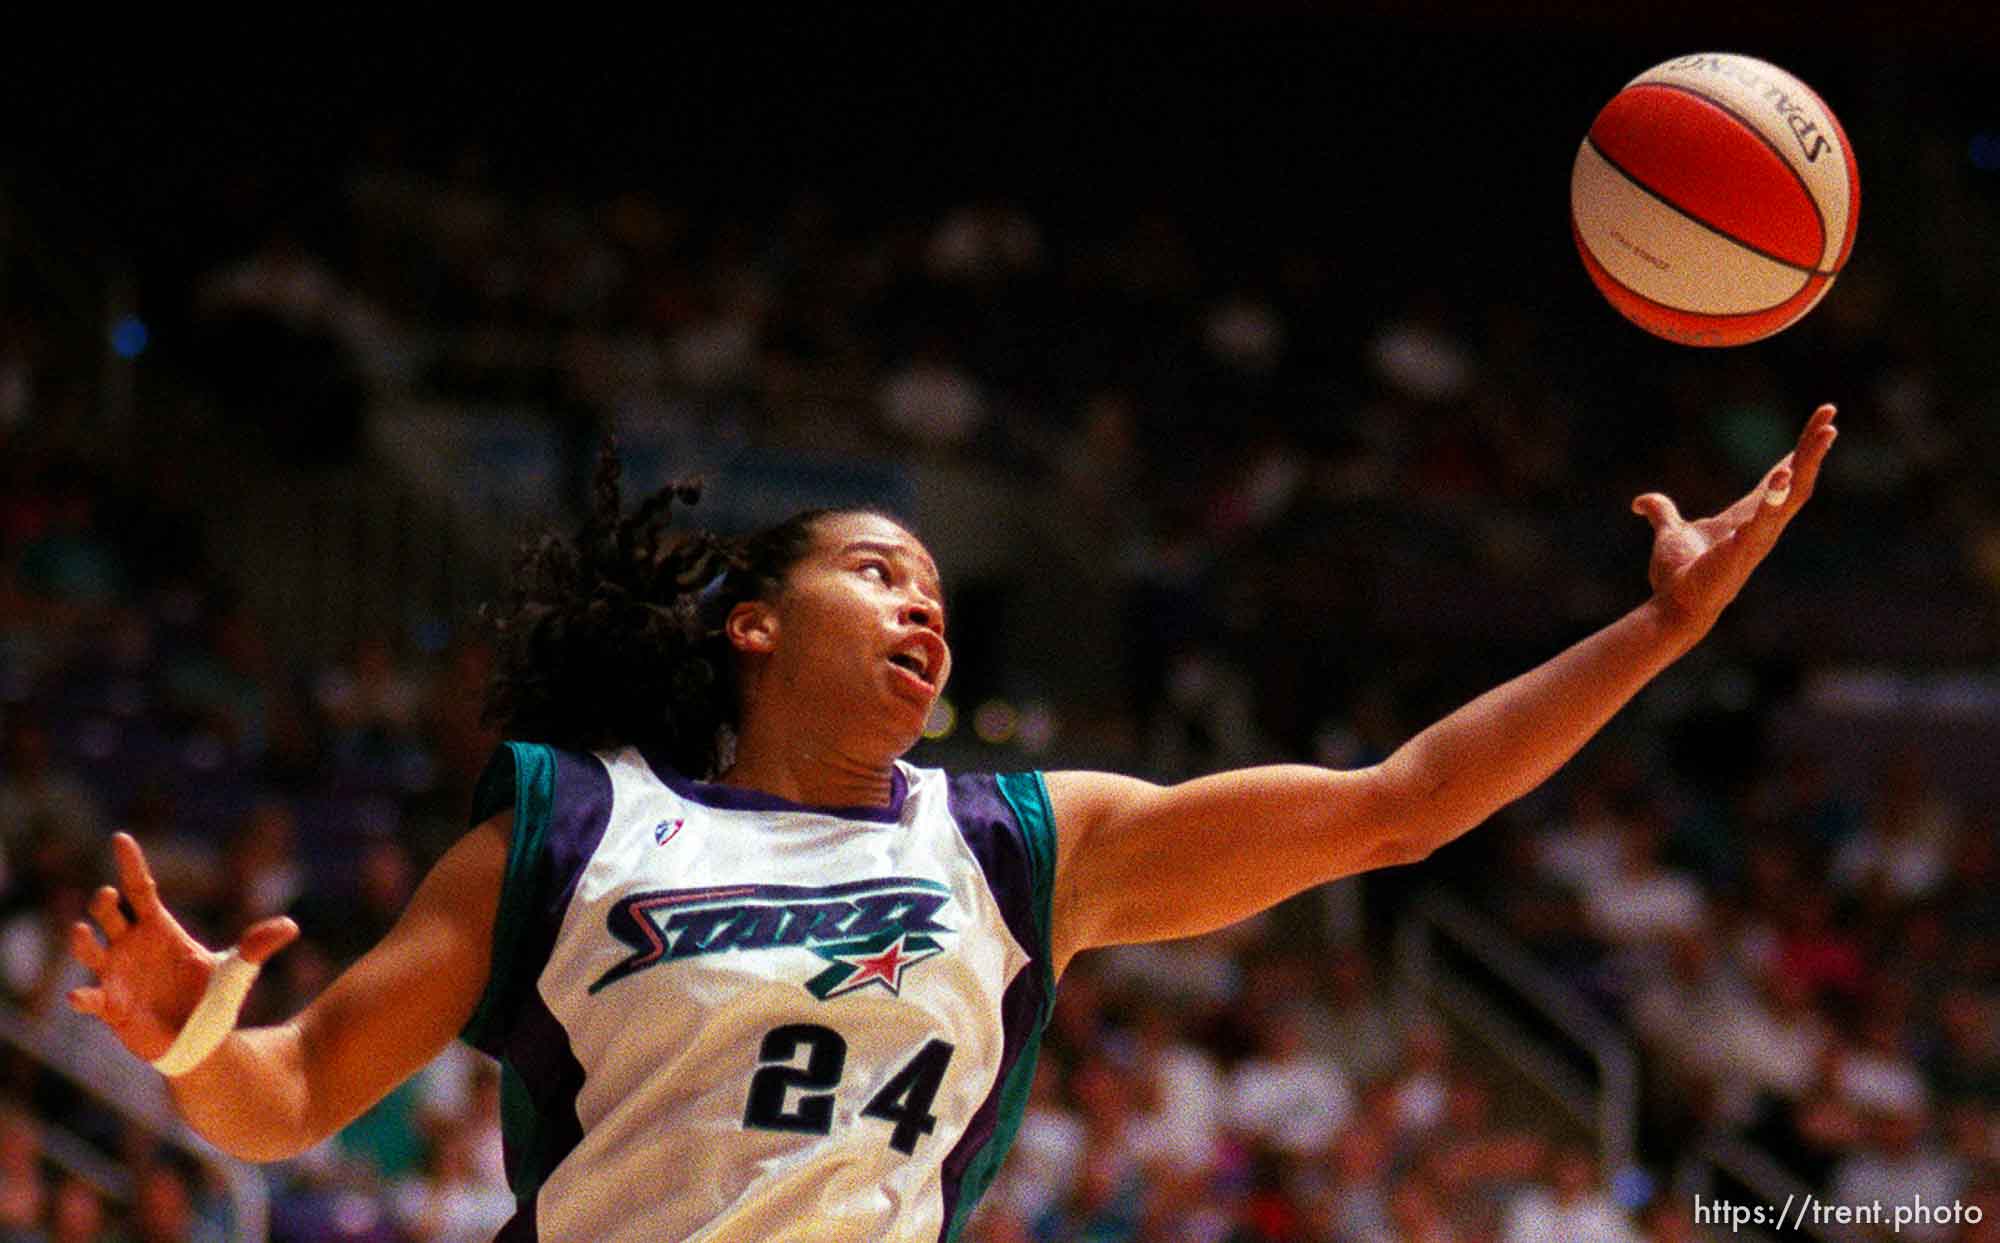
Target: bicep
[(400, 1003), (1143, 862)]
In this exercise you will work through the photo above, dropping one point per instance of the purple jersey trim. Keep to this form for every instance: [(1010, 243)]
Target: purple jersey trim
[(999, 842), (556, 831), (736, 798), (1020, 1020)]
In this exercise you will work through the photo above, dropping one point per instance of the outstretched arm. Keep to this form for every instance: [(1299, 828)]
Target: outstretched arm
[(1141, 862), (271, 1092)]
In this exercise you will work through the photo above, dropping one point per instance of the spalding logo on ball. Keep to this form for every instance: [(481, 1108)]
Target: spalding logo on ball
[(1714, 199)]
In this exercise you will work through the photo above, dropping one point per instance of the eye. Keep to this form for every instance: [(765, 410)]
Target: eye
[(876, 567)]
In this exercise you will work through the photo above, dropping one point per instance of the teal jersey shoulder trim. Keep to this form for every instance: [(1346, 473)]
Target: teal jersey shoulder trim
[(521, 775), (1027, 795)]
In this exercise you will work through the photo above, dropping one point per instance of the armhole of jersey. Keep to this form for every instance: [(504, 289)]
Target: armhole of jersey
[(1028, 795), (531, 791)]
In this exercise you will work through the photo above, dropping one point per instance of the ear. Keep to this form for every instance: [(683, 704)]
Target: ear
[(752, 626)]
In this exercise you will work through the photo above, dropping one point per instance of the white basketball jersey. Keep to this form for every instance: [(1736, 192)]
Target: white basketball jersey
[(724, 1016)]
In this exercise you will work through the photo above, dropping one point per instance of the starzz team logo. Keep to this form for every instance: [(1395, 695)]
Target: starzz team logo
[(869, 932)]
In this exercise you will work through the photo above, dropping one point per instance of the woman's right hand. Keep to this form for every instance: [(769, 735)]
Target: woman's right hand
[(150, 972)]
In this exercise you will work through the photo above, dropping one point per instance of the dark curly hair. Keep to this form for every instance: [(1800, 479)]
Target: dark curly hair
[(614, 637)]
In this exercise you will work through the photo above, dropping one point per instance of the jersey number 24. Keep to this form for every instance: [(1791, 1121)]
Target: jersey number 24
[(904, 1101)]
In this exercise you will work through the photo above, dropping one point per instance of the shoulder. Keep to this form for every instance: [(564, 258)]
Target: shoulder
[(515, 757), (548, 789), (1021, 797)]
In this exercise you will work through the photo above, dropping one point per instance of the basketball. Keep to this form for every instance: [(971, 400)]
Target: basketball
[(1714, 199)]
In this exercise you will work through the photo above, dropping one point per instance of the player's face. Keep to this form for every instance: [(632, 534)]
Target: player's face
[(860, 626)]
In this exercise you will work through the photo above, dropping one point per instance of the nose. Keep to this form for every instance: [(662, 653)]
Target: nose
[(922, 611)]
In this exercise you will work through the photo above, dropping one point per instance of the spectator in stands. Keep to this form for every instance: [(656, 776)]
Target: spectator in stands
[(68, 563), (1799, 797), (1752, 923), (286, 335), (1904, 848), (164, 1207), (1670, 1221), (931, 403), (1776, 1045), (453, 729), (1971, 903), (1107, 1199), (1360, 1030), (1355, 1205), (1576, 1209), (1181, 1094), (77, 1214), (230, 687), (265, 874), (34, 942), (1972, 1139), (450, 1202), (1644, 904), (1284, 1097), (1875, 1073), (1584, 848), (1421, 1086), (41, 803), (1678, 1012), (1823, 957), (1048, 1152), (348, 923), (1897, 1165), (1966, 1062), (373, 703), (1419, 1217), (24, 1190), (1476, 1164), (1985, 1198)]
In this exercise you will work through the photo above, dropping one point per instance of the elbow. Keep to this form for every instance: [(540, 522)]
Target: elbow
[(246, 1145), (1404, 848), (1416, 817), (265, 1154)]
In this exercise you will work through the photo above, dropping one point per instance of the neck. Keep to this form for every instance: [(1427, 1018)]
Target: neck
[(809, 771)]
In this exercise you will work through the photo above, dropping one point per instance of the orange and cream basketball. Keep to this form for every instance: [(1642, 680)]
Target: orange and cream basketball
[(1714, 199)]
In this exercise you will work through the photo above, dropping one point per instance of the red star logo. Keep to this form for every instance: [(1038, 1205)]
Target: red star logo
[(884, 968)]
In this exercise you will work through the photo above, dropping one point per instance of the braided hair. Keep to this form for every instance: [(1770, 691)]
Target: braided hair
[(614, 637)]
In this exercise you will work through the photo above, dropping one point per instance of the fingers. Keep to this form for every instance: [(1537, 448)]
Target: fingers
[(88, 1000), (1778, 487), (136, 877), (86, 948), (1818, 437), (1658, 509), (266, 938), (110, 916), (93, 1000), (1790, 483)]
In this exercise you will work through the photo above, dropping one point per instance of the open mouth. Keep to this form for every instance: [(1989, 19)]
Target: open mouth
[(923, 657)]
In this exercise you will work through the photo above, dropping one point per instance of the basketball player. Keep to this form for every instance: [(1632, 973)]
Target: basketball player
[(753, 977)]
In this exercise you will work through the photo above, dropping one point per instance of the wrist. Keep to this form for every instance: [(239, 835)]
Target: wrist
[(1673, 628), (214, 1016)]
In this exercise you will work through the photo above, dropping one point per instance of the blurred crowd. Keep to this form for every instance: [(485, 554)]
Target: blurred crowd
[(1265, 444)]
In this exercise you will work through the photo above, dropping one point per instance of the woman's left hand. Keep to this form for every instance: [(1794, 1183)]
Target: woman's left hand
[(1698, 567)]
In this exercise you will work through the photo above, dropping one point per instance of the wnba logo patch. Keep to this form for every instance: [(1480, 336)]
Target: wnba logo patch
[(868, 932)]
